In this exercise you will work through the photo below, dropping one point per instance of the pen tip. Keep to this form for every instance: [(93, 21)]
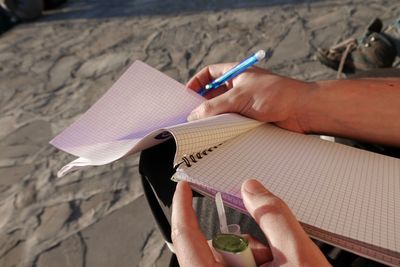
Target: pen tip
[(268, 53)]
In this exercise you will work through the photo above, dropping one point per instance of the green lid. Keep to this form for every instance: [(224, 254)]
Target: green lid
[(230, 243)]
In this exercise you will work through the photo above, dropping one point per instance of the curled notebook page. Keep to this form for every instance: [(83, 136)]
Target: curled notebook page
[(141, 101)]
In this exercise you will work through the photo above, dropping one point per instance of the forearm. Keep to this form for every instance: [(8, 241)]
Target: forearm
[(367, 110)]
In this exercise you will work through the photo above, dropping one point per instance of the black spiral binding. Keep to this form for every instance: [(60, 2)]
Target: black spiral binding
[(193, 158)]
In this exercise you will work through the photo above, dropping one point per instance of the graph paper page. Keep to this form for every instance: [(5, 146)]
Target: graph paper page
[(141, 101), (200, 135), (333, 187)]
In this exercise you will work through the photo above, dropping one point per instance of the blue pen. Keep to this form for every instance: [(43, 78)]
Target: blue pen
[(235, 71)]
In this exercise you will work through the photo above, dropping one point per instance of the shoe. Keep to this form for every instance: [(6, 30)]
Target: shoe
[(374, 49), (393, 32)]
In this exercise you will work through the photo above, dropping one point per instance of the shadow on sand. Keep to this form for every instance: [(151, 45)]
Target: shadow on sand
[(102, 9)]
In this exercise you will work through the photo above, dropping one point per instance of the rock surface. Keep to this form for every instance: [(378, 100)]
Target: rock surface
[(53, 69)]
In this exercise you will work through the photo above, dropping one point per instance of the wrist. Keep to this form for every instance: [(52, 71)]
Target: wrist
[(304, 104)]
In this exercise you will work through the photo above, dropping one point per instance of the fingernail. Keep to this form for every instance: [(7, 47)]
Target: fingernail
[(254, 187)]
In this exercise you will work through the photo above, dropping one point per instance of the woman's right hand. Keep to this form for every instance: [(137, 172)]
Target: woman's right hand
[(256, 93)]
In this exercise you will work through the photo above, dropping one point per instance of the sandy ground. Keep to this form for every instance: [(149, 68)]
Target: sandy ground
[(53, 69)]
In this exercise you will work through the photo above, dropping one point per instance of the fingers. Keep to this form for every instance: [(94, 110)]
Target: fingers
[(274, 217), (200, 79), (261, 252), (189, 242), (217, 105), (207, 75)]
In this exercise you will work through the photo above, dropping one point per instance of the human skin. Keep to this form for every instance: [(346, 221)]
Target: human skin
[(363, 109), (288, 244)]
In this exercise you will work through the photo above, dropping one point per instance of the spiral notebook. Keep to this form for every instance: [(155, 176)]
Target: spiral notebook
[(341, 195)]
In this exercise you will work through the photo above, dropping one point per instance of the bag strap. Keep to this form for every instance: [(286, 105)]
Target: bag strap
[(158, 214)]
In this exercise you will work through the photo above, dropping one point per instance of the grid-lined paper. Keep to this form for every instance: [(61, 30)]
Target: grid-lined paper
[(132, 115), (197, 136), (336, 189), (141, 101)]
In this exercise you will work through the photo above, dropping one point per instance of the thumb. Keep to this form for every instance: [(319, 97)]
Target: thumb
[(214, 106), (278, 223)]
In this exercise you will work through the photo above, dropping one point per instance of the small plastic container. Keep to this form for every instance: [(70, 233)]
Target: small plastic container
[(234, 249)]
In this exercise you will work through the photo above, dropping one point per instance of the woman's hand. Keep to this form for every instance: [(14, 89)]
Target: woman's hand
[(256, 93), (289, 245)]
